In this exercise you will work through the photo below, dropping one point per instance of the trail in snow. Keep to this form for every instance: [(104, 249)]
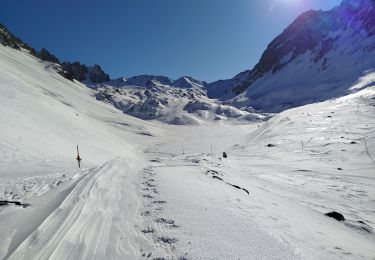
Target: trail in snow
[(98, 220)]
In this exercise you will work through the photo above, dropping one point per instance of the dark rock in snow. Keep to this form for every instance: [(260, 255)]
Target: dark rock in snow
[(6, 202), (335, 215)]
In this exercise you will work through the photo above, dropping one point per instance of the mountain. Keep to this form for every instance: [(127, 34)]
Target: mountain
[(318, 57), (180, 102), (142, 81), (84, 74), (189, 82), (45, 55), (152, 80)]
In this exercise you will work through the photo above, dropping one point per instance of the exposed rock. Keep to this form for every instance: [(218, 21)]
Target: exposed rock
[(82, 73), (335, 215), (45, 55), (8, 39)]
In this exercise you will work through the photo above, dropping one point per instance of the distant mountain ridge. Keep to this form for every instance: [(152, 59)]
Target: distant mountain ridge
[(179, 102), (152, 81)]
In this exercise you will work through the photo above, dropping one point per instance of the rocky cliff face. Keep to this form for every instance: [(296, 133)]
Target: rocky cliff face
[(45, 55), (82, 73)]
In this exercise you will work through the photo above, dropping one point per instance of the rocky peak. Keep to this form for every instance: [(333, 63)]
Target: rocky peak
[(148, 80), (82, 73), (45, 55), (189, 82)]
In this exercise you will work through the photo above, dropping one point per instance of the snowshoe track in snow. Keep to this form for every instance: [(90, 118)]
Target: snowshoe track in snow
[(155, 225)]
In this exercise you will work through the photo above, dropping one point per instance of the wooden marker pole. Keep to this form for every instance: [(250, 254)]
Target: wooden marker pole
[(78, 158)]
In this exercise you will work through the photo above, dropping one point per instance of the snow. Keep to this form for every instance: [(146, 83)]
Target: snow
[(43, 118), (187, 104), (147, 189)]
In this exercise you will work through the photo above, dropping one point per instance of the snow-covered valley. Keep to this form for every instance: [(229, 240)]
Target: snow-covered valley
[(150, 190)]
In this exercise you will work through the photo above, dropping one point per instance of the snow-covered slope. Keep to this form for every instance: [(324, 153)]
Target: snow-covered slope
[(282, 178), (43, 118), (39, 107), (189, 82), (152, 190), (318, 57), (184, 101)]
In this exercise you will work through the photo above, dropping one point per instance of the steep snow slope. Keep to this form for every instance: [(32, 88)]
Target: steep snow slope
[(39, 108), (318, 57)]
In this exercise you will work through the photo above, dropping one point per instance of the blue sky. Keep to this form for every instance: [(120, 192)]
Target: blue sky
[(206, 39)]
